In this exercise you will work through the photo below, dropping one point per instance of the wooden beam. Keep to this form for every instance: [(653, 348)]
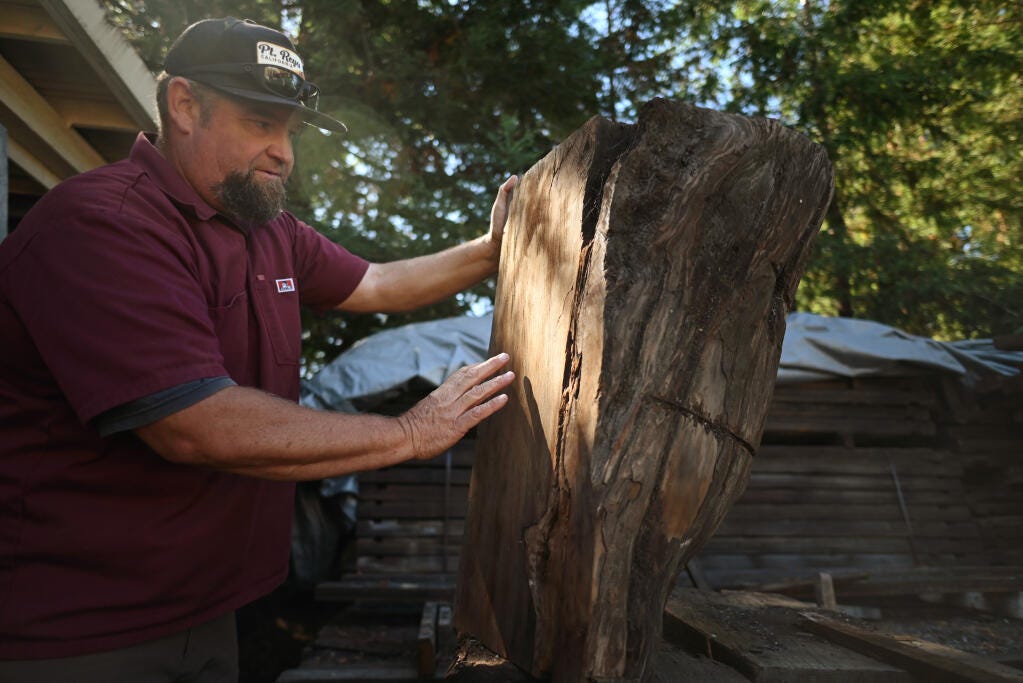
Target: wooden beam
[(824, 591), (426, 648), (110, 56), (31, 165), (30, 23), (90, 113), (391, 588), (926, 660), (36, 113)]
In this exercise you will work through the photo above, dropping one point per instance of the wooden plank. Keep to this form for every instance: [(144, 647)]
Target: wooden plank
[(395, 586), (403, 565), (30, 23), (931, 661), (846, 412), (803, 560), (824, 591), (781, 424), (672, 664), (747, 511), (354, 673), (35, 112), (808, 494), (847, 482), (887, 582), (382, 492), (426, 643), (873, 396), (757, 634), (389, 528), (406, 547), (412, 509), (414, 475), (800, 545), (810, 527)]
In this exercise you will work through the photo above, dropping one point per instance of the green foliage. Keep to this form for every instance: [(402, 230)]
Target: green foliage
[(917, 102)]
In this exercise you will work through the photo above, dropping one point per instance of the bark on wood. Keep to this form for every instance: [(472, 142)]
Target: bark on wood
[(645, 276)]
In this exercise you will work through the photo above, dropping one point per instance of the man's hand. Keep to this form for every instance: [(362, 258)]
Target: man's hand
[(464, 400), (499, 213)]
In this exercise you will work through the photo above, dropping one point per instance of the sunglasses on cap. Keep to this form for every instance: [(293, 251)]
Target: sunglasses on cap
[(272, 79)]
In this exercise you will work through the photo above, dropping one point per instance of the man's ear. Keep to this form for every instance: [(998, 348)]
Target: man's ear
[(183, 107)]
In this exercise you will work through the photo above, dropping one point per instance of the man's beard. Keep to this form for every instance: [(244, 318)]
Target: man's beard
[(249, 202)]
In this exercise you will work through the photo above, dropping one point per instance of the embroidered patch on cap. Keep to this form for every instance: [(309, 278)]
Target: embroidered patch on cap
[(277, 55), (285, 285)]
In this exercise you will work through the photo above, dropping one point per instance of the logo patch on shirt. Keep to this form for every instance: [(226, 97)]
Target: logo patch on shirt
[(285, 285)]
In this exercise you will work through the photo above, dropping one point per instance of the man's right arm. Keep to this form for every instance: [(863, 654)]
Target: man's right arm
[(250, 432)]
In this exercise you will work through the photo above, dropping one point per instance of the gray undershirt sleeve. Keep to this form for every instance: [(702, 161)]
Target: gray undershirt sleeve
[(149, 409)]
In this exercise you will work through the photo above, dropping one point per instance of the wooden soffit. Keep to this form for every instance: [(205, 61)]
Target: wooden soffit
[(73, 92)]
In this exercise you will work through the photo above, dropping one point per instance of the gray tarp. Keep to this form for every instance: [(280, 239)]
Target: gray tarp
[(815, 347)]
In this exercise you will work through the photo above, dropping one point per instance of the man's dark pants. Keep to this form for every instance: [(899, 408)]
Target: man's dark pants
[(204, 654)]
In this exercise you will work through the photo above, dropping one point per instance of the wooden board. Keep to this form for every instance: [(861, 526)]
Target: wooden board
[(757, 634), (929, 661)]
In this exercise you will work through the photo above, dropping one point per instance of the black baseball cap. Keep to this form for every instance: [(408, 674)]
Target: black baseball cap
[(253, 62)]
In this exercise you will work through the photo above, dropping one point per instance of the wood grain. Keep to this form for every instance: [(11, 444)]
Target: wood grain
[(645, 277)]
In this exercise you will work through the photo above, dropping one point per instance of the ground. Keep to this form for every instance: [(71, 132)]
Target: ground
[(273, 632), (279, 631)]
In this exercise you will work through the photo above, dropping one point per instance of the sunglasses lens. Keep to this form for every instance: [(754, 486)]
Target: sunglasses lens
[(282, 82), (310, 96)]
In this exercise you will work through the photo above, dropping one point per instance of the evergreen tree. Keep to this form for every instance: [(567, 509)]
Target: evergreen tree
[(917, 103)]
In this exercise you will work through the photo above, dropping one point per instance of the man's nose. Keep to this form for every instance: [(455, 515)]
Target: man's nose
[(282, 150)]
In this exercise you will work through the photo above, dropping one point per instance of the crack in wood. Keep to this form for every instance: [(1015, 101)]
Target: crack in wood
[(705, 421)]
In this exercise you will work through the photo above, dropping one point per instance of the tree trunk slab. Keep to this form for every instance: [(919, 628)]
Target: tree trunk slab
[(645, 276)]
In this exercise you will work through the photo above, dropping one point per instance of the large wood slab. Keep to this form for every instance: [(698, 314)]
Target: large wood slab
[(645, 276)]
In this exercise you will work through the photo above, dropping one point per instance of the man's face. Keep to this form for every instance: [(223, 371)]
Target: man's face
[(243, 156)]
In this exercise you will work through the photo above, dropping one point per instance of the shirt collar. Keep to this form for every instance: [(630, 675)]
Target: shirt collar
[(145, 155)]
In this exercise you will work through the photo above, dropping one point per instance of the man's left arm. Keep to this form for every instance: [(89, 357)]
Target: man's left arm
[(411, 283)]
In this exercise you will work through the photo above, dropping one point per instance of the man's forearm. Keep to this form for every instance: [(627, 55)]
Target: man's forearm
[(251, 432), (411, 283)]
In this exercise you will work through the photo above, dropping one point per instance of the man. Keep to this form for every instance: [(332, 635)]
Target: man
[(149, 350)]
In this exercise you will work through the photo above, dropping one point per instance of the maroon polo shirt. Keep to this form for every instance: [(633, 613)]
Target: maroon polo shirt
[(122, 282)]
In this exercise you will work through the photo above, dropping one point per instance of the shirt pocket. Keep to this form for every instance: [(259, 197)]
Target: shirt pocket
[(280, 318), (231, 325)]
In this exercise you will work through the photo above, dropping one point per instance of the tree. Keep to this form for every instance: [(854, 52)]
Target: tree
[(917, 103)]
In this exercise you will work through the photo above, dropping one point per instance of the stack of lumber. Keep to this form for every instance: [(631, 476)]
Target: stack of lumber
[(851, 474), (824, 492), (411, 517), (985, 429)]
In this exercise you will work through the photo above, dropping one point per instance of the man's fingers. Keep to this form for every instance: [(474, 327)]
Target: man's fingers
[(487, 389), (484, 410), (472, 374)]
